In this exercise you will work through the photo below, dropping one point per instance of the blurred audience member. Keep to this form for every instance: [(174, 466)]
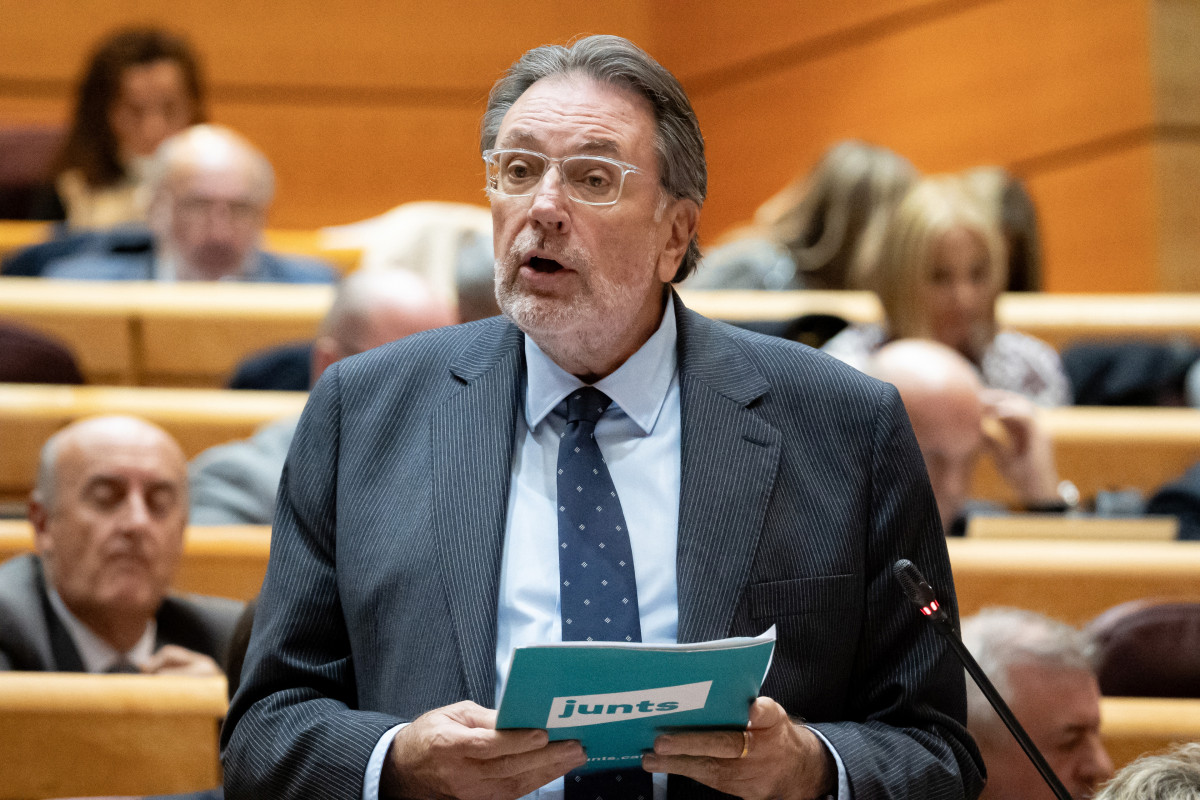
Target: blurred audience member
[(235, 483), (1041, 668), (1005, 197), (448, 244), (818, 231), (956, 420), (1180, 499), (140, 86), (108, 514), (210, 190), (939, 273), (30, 357), (1174, 775)]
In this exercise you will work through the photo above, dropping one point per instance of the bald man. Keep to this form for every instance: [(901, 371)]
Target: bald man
[(108, 514), (209, 194), (235, 483), (956, 420)]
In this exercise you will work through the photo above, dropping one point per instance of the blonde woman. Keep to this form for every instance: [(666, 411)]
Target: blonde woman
[(816, 231), (941, 266)]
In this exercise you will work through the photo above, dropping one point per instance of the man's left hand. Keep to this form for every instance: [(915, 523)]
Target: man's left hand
[(781, 758)]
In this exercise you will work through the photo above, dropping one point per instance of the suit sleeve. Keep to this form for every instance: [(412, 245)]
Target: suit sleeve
[(293, 729), (908, 703)]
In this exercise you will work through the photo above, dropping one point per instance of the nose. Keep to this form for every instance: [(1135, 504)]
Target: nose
[(137, 512), (549, 207), (1095, 766)]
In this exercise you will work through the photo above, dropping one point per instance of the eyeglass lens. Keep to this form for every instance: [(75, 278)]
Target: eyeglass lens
[(587, 179)]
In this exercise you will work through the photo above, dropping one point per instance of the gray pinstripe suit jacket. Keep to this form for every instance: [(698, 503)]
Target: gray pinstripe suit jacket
[(802, 483)]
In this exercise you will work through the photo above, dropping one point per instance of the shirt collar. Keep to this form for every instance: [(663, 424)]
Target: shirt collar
[(638, 387), (96, 654)]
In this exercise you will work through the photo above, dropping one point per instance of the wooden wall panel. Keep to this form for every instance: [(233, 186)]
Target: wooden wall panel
[(1099, 223), (951, 92)]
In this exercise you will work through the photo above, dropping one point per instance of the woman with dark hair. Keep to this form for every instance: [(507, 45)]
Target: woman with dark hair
[(140, 86)]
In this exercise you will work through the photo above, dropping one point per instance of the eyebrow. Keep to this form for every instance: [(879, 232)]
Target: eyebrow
[(528, 141)]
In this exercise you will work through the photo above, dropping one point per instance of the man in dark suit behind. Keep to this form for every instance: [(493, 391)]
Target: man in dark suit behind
[(209, 191), (418, 530), (108, 514)]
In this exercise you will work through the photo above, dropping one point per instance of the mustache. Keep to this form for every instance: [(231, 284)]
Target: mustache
[(528, 240)]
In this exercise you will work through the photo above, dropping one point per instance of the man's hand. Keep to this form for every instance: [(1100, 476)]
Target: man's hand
[(1020, 446), (171, 659), (782, 759), (456, 752)]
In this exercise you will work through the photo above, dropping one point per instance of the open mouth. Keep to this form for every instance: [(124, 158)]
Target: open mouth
[(545, 265)]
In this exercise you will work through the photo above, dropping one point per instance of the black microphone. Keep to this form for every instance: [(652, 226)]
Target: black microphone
[(921, 593)]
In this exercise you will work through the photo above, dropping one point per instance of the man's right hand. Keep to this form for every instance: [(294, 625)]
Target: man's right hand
[(456, 752)]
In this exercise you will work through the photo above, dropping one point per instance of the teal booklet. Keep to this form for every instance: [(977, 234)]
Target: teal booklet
[(616, 697)]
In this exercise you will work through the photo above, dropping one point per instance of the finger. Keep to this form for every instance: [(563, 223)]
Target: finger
[(765, 713), (706, 744), (555, 759)]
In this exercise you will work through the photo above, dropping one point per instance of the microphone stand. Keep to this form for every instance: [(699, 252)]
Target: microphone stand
[(919, 591)]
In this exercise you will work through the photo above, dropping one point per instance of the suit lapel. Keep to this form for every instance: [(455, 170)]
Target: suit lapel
[(730, 457), (472, 441)]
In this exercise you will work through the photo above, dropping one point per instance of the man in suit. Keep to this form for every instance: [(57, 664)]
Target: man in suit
[(420, 535), (1043, 670), (957, 421), (108, 513), (235, 483), (209, 193)]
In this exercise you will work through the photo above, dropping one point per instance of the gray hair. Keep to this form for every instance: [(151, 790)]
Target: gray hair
[(1174, 775), (45, 487), (619, 62), (1001, 638)]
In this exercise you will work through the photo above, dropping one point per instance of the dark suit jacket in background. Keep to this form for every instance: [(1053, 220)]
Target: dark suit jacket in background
[(801, 485), (32, 638)]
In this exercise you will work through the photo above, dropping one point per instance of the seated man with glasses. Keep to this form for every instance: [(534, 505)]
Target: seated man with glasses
[(599, 463), (209, 190)]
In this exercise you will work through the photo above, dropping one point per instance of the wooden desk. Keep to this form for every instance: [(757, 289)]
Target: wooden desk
[(1071, 580), (223, 560), (164, 334), (1068, 526), (1111, 448), (1134, 726), (69, 734), (197, 418)]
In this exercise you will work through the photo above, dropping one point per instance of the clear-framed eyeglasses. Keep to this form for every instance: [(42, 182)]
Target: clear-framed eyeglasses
[(592, 180)]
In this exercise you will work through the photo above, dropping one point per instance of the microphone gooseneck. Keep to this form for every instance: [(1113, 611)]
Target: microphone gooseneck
[(918, 590)]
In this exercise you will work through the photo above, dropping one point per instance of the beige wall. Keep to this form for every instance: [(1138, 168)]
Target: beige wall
[(1095, 102)]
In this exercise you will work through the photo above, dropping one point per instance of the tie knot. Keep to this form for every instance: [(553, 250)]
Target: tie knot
[(586, 404)]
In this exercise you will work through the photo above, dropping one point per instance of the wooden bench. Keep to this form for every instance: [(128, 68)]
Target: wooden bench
[(1070, 526), (226, 561), (1111, 448), (1071, 580), (197, 418), (1134, 726), (164, 334), (71, 734)]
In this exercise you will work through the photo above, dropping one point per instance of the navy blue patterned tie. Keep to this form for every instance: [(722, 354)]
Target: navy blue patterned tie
[(597, 588)]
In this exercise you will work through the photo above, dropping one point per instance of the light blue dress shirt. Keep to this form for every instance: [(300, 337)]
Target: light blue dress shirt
[(640, 437)]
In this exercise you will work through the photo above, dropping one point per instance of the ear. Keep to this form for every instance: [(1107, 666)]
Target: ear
[(682, 218), (325, 351), (39, 517)]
